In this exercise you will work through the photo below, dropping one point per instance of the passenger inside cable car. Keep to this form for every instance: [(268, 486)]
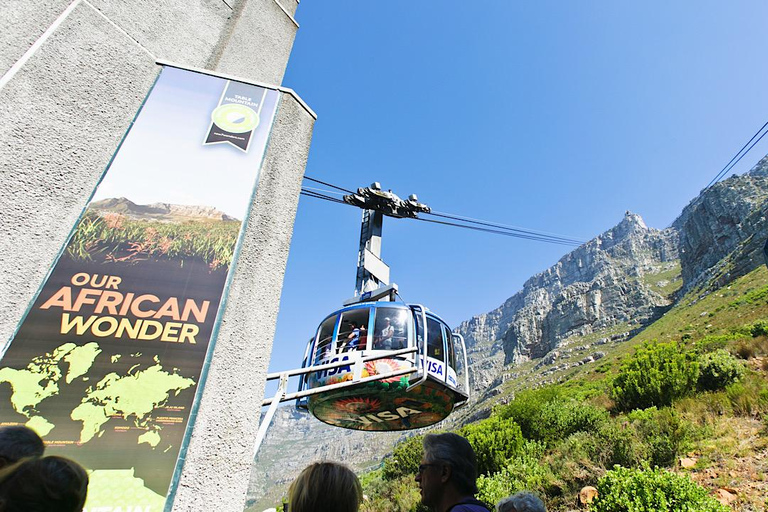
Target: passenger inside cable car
[(353, 330), (390, 329)]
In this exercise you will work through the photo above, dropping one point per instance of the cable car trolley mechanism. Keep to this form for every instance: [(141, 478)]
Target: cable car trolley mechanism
[(378, 364)]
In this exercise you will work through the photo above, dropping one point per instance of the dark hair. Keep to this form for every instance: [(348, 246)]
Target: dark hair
[(325, 487), (19, 442), (455, 451), (42, 485)]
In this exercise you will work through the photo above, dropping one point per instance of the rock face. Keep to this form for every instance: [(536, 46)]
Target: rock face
[(605, 282), (723, 230), (161, 212), (616, 278)]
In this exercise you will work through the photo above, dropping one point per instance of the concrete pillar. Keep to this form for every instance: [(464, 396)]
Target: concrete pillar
[(74, 75)]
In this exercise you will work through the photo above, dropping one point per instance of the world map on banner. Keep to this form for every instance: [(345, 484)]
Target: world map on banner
[(133, 396)]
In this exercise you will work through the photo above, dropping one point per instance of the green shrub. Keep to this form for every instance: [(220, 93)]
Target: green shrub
[(657, 490), (547, 415), (405, 459), (759, 328), (718, 369), (745, 350), (576, 460), (526, 408), (656, 374), (714, 342), (749, 397), (523, 472), (664, 432), (398, 495), (759, 296), (495, 441), (560, 418), (620, 445)]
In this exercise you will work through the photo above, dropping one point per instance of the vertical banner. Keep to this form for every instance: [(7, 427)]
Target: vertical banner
[(107, 362)]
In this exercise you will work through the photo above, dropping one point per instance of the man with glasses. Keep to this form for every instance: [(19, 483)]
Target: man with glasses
[(447, 474)]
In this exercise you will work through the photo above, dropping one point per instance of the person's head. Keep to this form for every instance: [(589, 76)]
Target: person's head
[(19, 442), (448, 468), (387, 321), (521, 502), (43, 484), (325, 487)]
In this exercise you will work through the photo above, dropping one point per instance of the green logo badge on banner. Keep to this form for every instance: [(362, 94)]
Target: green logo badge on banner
[(235, 118)]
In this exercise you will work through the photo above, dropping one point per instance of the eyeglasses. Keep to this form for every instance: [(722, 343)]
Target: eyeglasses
[(422, 467)]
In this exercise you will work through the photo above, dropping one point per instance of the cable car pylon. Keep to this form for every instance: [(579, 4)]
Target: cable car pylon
[(377, 364)]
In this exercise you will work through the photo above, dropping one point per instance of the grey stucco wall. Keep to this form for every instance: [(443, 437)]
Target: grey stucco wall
[(62, 116)]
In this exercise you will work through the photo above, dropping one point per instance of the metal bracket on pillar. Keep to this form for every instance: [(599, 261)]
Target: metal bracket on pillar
[(372, 272), (282, 386)]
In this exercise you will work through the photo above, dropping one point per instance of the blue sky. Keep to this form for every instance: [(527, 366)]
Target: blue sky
[(555, 116)]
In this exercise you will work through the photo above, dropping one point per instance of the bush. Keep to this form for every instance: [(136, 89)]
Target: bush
[(548, 416), (745, 350), (718, 370), (655, 375), (399, 495), (748, 397), (619, 444), (665, 433), (526, 408), (405, 459), (495, 441), (524, 472), (657, 490), (759, 328), (560, 418), (715, 342)]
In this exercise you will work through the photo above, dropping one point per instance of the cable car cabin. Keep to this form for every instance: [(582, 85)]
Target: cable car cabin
[(370, 376)]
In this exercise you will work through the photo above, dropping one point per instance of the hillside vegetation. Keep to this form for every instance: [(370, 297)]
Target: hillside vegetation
[(668, 419)]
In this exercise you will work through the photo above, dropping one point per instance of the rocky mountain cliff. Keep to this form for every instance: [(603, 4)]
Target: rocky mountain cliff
[(607, 281), (622, 276), (723, 230), (161, 212)]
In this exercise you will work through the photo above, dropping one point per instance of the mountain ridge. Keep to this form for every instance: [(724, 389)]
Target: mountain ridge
[(161, 212)]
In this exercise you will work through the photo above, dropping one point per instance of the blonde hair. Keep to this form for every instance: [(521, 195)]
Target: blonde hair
[(325, 487)]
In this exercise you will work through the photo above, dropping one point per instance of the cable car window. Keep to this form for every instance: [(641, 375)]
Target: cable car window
[(390, 329), (451, 351), (419, 329), (324, 339), (353, 331), (434, 339)]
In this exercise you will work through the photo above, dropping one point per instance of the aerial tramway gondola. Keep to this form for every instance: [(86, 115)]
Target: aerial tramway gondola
[(374, 346), (378, 364)]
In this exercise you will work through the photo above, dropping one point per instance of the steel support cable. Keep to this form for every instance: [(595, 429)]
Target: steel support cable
[(328, 185), (730, 164), (323, 191), (745, 153), (501, 232), (508, 228), (500, 229), (316, 195)]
